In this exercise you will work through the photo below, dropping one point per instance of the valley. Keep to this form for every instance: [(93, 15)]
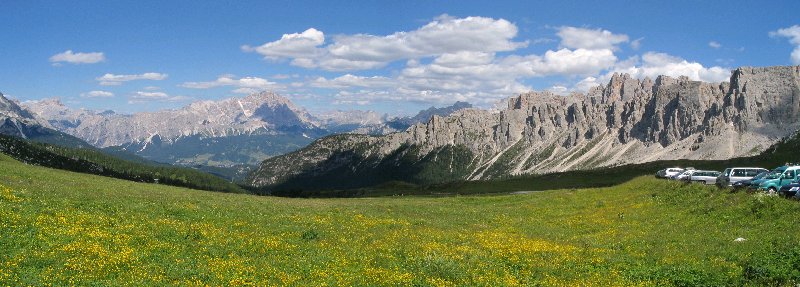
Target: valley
[(396, 143)]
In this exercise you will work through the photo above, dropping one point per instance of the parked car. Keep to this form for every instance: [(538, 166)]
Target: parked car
[(746, 183), (672, 172), (785, 175), (684, 175), (736, 174), (790, 190), (704, 176), (754, 184)]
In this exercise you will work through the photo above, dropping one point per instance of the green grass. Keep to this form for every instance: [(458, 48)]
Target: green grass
[(63, 228), (94, 161)]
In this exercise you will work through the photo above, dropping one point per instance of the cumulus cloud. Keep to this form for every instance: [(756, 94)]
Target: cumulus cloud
[(296, 45), (586, 84), (362, 51), (114, 80), (77, 58), (652, 65), (470, 76), (714, 44), (793, 34), (246, 85), (583, 38), (655, 64), (572, 62), (463, 59), (500, 77), (97, 94)]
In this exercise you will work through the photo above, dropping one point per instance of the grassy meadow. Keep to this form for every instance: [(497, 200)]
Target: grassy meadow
[(62, 228)]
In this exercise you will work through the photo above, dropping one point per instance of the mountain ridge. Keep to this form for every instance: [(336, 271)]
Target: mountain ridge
[(625, 121), (19, 122), (224, 133), (261, 112)]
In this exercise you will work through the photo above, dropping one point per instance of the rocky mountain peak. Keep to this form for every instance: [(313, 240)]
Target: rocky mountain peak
[(628, 120), (11, 109), (263, 112)]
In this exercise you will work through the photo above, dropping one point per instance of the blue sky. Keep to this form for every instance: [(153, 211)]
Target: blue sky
[(390, 57)]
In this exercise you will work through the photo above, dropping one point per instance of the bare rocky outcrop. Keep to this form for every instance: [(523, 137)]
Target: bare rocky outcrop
[(626, 121), (17, 121)]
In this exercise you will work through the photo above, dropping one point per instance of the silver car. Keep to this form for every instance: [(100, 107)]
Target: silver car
[(704, 176), (684, 175), (672, 172)]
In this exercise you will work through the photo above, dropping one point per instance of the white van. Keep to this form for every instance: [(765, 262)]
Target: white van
[(735, 174)]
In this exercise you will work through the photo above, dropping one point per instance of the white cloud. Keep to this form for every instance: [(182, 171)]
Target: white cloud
[(246, 85), (462, 59), (361, 98), (77, 58), (635, 44), (296, 45), (714, 44), (793, 33), (362, 51), (143, 97), (151, 95), (654, 64), (113, 80), (469, 76), (558, 89), (572, 62), (97, 94), (348, 80), (285, 76), (582, 38), (587, 84)]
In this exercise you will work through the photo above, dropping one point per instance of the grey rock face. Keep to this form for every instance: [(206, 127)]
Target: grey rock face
[(257, 113), (626, 121), (17, 121)]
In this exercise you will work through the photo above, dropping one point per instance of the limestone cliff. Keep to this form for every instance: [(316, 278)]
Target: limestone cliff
[(626, 121)]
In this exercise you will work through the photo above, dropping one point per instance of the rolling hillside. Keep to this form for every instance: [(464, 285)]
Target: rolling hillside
[(92, 161), (64, 228), (377, 182)]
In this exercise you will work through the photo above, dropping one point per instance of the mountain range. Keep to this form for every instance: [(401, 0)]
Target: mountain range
[(625, 121), (226, 133), (17, 121)]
